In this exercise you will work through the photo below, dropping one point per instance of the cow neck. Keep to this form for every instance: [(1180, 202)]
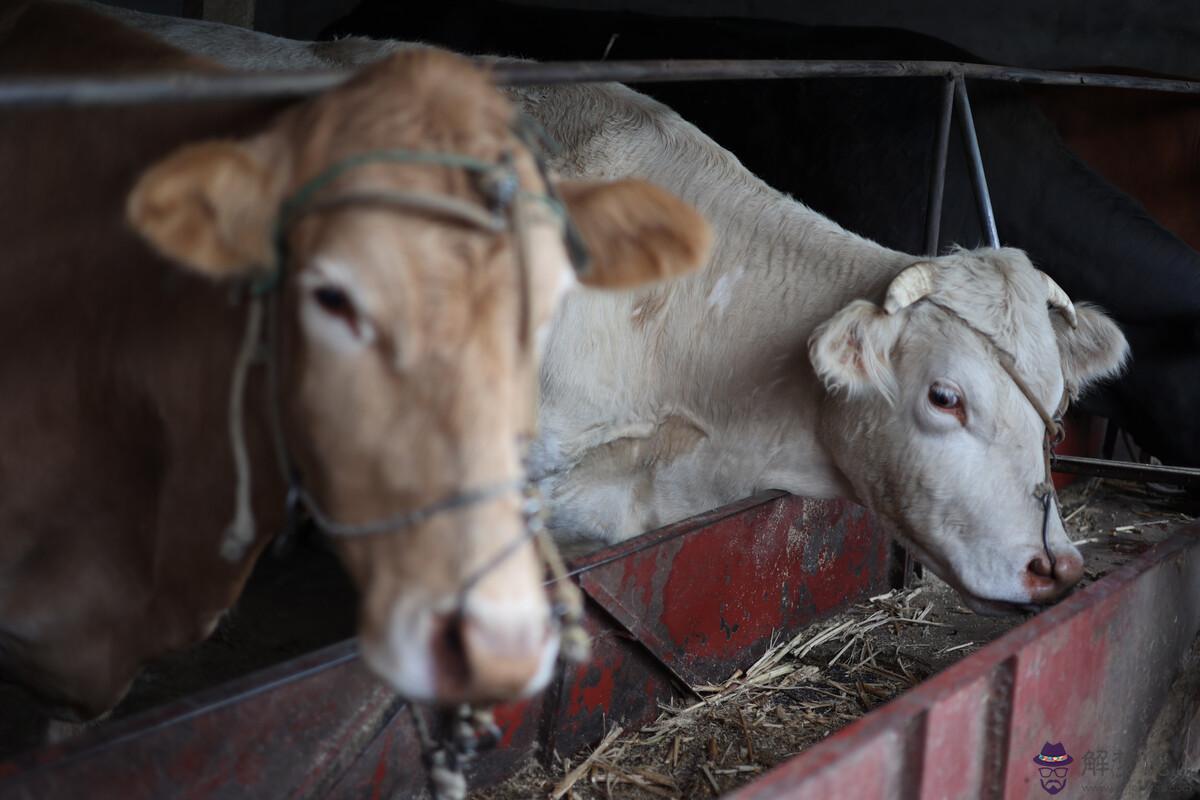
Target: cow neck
[(783, 250)]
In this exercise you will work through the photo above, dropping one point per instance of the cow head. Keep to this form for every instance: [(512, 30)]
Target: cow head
[(935, 435), (409, 342)]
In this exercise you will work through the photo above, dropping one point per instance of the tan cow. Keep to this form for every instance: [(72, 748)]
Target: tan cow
[(405, 347)]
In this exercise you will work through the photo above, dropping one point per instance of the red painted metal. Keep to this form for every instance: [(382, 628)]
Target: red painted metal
[(707, 600), (765, 566), (1091, 672), (323, 726), (1084, 437), (289, 731)]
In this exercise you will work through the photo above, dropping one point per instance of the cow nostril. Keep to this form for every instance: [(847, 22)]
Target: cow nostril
[(1040, 566), (449, 651), (1068, 571), (476, 660)]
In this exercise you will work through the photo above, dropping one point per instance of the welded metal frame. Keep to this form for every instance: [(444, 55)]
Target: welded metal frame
[(937, 177), (983, 198)]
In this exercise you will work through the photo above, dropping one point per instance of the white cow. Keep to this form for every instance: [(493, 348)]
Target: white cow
[(791, 361), (778, 366)]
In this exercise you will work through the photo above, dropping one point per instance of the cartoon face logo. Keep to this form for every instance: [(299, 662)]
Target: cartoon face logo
[(1053, 766)]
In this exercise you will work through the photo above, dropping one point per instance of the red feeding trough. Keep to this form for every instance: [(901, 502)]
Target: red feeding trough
[(689, 604)]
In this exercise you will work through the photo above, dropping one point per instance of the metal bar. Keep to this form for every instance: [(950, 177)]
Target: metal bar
[(524, 73), (1125, 470), (937, 180), (983, 199), (184, 87), (172, 87)]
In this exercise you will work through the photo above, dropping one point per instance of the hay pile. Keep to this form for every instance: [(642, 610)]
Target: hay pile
[(811, 685), (796, 694)]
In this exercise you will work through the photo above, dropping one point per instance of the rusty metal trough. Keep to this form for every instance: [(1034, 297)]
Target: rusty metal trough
[(688, 604)]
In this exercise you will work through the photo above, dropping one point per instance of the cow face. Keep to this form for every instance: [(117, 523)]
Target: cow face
[(410, 346), (935, 435)]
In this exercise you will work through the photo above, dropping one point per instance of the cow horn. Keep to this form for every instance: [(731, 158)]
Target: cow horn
[(909, 286), (1058, 299)]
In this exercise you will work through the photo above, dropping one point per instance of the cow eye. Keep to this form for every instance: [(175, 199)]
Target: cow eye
[(333, 300), (337, 303), (945, 397)]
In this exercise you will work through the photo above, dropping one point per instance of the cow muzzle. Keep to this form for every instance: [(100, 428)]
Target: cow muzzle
[(487, 653), (1048, 580)]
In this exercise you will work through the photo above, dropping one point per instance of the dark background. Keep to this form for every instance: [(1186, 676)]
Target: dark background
[(1156, 35)]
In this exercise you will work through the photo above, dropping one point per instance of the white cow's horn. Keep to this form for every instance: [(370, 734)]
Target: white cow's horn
[(909, 286), (1057, 298)]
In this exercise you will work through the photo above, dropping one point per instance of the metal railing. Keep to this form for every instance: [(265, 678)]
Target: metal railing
[(185, 87)]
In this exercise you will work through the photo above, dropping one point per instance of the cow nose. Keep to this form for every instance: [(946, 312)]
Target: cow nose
[(1047, 583), (480, 659)]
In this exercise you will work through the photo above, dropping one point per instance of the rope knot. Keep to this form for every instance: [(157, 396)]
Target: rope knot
[(1060, 433), (499, 185)]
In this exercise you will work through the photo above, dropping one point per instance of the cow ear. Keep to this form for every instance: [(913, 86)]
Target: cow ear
[(852, 350), (635, 232), (210, 206), (1093, 350)]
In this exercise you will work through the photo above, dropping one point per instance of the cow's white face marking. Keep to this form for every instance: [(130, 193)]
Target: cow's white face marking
[(547, 255), (403, 655), (567, 283)]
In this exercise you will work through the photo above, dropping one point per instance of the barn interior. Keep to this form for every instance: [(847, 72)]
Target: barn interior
[(663, 717)]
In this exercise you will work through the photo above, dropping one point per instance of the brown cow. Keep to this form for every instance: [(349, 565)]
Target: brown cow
[(1145, 143), (406, 371)]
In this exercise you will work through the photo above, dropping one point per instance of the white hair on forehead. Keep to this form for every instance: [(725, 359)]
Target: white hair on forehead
[(1003, 295)]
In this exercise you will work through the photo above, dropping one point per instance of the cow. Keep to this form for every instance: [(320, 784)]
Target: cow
[(404, 345), (796, 360), (805, 358), (861, 152)]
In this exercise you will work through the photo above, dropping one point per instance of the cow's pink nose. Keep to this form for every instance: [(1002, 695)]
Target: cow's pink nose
[(484, 661), (1046, 583)]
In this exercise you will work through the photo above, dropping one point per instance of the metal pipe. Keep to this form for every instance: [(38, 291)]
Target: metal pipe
[(983, 200), (1125, 470), (526, 73), (937, 180), (170, 87), (184, 87)]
